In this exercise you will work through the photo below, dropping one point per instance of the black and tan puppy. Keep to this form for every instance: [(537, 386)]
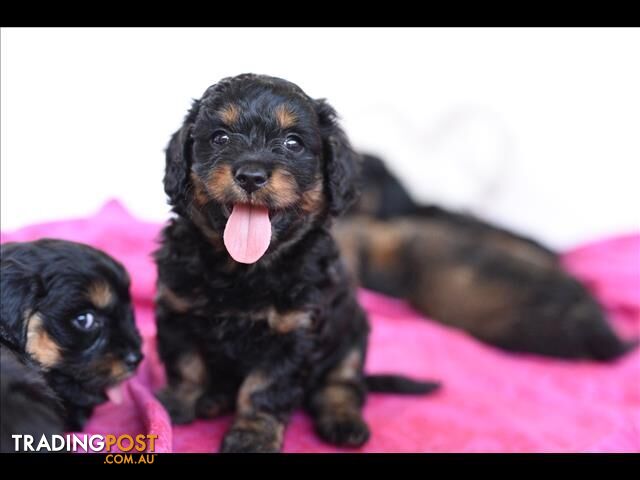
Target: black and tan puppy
[(503, 288), (254, 307), (66, 322)]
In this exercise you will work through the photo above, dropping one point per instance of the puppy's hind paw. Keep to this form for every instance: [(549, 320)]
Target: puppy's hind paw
[(348, 431), (179, 410), (249, 441), (255, 434)]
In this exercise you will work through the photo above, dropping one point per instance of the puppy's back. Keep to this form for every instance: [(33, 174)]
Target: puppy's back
[(29, 406)]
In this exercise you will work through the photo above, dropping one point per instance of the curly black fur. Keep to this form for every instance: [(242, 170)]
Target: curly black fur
[(287, 330), (48, 287), (23, 388), (503, 288)]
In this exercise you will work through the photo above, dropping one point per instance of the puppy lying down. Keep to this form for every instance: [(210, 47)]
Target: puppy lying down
[(67, 335), (502, 288)]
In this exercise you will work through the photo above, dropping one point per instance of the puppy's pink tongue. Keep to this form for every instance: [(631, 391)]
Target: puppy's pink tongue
[(115, 394), (248, 233)]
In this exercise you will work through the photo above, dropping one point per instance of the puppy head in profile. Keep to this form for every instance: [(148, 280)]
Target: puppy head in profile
[(257, 163), (68, 307), (382, 195)]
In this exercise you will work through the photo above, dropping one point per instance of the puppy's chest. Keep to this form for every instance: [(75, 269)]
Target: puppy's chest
[(227, 308), (226, 301), (256, 323), (254, 294)]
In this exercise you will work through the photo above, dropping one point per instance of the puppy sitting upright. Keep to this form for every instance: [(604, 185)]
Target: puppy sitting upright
[(65, 321), (254, 307)]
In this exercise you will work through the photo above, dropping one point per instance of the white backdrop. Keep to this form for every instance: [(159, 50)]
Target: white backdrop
[(538, 129)]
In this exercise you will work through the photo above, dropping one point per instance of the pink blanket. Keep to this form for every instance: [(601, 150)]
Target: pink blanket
[(491, 401)]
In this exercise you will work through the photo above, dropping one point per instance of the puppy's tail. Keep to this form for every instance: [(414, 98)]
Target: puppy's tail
[(399, 384)]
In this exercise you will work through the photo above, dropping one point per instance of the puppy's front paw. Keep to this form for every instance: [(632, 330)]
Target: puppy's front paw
[(346, 431), (254, 435), (179, 410)]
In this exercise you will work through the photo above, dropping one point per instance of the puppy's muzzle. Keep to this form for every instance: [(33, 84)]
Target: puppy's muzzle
[(251, 177)]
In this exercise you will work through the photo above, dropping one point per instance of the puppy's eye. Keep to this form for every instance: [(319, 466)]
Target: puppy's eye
[(220, 137), (85, 321), (293, 143)]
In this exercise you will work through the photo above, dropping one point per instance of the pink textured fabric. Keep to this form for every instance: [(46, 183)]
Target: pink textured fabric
[(491, 401)]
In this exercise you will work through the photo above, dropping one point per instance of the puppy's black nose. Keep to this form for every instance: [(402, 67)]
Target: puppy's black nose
[(132, 359), (251, 177)]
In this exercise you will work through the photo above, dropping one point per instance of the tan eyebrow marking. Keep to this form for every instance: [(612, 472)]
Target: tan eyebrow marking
[(229, 114), (285, 116), (101, 294)]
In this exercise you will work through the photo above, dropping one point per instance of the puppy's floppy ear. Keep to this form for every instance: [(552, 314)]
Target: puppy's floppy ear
[(178, 160), (342, 163), (20, 289)]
